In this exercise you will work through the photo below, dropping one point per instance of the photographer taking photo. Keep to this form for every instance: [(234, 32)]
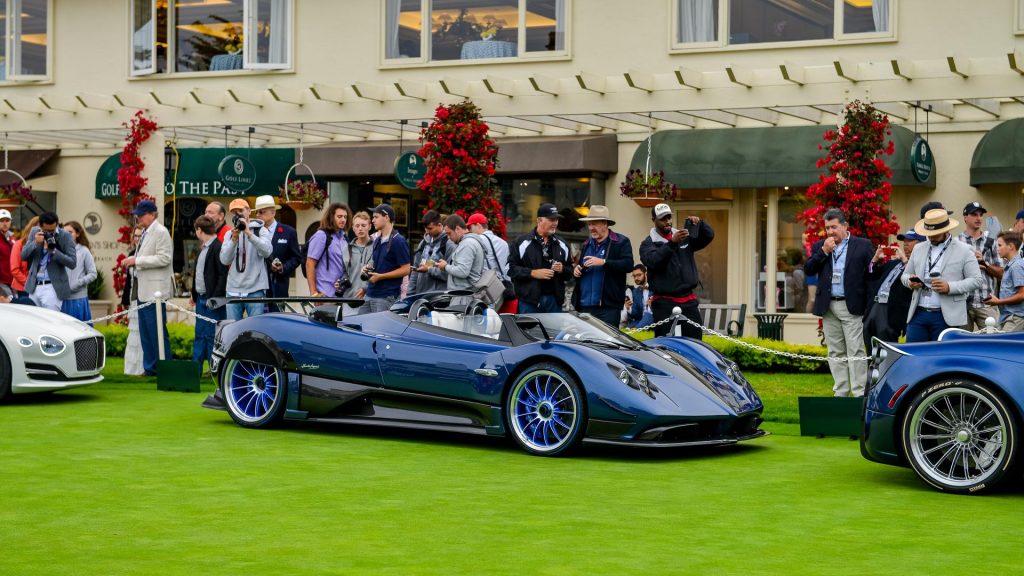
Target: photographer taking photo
[(50, 253), (243, 252)]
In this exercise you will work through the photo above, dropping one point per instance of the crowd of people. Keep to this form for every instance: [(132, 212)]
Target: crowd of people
[(937, 281)]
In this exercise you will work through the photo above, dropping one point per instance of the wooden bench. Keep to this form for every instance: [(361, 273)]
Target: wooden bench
[(724, 318)]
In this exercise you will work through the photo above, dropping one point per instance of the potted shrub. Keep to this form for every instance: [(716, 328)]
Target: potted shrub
[(303, 194), (648, 189), (15, 195)]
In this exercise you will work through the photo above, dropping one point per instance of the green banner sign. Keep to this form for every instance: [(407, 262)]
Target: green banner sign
[(199, 172), (921, 161), (410, 168)]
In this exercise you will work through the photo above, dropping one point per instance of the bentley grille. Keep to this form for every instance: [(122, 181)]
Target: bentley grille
[(89, 353)]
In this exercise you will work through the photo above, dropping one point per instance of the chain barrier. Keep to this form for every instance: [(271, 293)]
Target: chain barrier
[(121, 313), (191, 313)]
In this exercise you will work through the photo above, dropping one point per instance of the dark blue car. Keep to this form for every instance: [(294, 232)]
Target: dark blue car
[(550, 381), (951, 409)]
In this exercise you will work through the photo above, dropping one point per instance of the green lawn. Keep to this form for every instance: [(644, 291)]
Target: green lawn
[(118, 478)]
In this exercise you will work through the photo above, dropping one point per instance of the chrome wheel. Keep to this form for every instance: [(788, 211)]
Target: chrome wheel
[(254, 392), (960, 437), (545, 411)]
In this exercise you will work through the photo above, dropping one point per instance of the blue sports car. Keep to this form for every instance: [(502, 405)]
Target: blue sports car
[(550, 381), (950, 409)]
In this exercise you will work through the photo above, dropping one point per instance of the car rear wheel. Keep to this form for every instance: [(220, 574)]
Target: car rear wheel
[(960, 437), (254, 393), (546, 410)]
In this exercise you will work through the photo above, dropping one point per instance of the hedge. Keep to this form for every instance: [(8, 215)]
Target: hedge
[(182, 335), (758, 361)]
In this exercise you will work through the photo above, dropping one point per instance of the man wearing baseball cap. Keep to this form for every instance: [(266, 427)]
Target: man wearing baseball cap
[(984, 248), (244, 252), (672, 269), (151, 266), (495, 258), (539, 264), (390, 263), (6, 245)]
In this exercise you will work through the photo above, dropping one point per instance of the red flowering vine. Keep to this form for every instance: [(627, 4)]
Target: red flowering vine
[(460, 165), (131, 183), (857, 181)]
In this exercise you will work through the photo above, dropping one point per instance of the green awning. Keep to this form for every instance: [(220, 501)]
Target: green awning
[(999, 157), (756, 157), (198, 176)]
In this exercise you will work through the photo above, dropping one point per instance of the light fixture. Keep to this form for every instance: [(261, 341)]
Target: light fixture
[(170, 158), (785, 187)]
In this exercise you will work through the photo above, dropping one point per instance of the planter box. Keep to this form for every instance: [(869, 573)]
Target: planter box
[(822, 416), (178, 375), (100, 308)]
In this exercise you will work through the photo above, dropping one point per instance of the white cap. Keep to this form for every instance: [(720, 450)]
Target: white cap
[(4, 214), (661, 210)]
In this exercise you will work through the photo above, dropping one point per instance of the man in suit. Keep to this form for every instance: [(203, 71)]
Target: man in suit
[(889, 299), (153, 273), (50, 253), (942, 273), (285, 257), (209, 281), (841, 262)]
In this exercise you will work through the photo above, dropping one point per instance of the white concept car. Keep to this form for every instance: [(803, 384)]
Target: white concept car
[(42, 350)]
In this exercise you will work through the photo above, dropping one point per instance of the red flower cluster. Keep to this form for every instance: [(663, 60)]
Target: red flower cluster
[(460, 165), (857, 181), (17, 191), (131, 182)]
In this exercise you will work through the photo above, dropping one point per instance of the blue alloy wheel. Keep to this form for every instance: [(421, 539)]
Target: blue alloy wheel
[(254, 392), (545, 411)]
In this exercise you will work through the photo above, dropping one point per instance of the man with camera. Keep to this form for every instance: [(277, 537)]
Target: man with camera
[(284, 242), (672, 269), (539, 264), (244, 252), (391, 262), (153, 272), (50, 253)]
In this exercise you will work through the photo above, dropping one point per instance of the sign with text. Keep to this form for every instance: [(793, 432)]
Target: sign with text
[(921, 161), (237, 173), (199, 172), (410, 168)]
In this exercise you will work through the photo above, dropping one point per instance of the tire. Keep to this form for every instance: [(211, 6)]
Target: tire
[(6, 375), (960, 437), (254, 393), (546, 411)]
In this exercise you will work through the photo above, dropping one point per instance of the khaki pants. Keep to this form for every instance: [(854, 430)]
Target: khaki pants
[(976, 317), (844, 336), (1013, 324)]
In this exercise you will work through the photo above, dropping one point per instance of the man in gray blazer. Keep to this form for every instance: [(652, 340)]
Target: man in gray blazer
[(942, 272), (153, 273), (50, 253)]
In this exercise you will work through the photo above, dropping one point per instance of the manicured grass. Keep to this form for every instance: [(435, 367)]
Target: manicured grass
[(119, 478)]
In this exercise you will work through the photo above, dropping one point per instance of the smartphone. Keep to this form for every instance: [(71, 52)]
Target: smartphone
[(915, 279), (692, 227)]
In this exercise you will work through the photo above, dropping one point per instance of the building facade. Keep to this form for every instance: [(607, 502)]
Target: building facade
[(736, 94)]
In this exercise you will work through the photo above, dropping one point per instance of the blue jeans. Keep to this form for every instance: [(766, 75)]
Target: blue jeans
[(250, 308), (925, 326), (202, 347), (147, 333), (547, 304), (371, 305)]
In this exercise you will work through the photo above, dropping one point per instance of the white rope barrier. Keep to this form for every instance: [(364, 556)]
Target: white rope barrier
[(121, 313)]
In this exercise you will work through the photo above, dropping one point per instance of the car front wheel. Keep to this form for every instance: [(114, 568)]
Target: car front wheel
[(254, 393), (546, 410), (960, 437)]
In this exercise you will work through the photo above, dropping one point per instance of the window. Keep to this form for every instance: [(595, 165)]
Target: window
[(704, 23), (793, 290), (473, 29), (201, 35), (25, 50)]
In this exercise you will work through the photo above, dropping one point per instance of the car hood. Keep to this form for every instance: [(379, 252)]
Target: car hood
[(30, 320)]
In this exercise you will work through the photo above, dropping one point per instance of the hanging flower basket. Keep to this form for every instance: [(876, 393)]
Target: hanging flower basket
[(303, 195), (15, 194), (648, 189)]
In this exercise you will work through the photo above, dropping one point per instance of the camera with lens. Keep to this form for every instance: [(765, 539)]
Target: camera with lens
[(365, 276), (343, 286), (237, 222), (51, 240)]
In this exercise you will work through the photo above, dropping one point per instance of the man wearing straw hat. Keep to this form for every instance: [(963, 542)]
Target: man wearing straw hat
[(605, 259), (942, 273)]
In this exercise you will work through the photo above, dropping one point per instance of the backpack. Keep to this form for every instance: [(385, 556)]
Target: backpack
[(304, 251)]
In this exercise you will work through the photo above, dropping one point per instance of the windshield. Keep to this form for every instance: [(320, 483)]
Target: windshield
[(578, 327)]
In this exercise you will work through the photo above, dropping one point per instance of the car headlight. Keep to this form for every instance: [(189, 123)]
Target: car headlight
[(51, 345), (634, 378), (25, 342)]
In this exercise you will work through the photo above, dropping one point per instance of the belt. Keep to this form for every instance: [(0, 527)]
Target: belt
[(834, 298), (43, 282), (927, 309)]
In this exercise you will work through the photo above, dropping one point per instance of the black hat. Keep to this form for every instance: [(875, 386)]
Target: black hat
[(932, 206), (548, 210), (974, 207), (385, 209)]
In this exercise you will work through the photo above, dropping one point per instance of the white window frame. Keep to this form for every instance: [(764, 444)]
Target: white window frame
[(1018, 16), (838, 36), (13, 61), (248, 20), (425, 43)]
